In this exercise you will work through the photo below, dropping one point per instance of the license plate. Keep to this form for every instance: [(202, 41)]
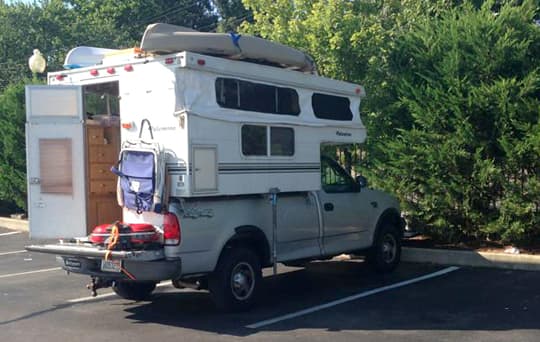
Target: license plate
[(111, 266)]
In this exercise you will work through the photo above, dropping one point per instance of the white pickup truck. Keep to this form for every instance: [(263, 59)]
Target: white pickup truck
[(223, 243), (218, 168)]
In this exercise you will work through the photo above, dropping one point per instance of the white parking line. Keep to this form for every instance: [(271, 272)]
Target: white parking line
[(351, 298), (14, 252), (106, 295), (30, 272), (10, 233)]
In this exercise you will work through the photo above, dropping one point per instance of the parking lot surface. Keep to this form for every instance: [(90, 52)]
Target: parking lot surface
[(332, 300)]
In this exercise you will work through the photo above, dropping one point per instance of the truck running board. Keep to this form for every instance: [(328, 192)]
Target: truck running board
[(95, 252)]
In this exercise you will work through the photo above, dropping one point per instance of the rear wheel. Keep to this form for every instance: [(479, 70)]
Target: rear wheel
[(134, 290), (385, 254), (235, 283)]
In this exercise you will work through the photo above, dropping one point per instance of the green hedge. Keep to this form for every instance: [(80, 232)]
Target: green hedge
[(467, 162)]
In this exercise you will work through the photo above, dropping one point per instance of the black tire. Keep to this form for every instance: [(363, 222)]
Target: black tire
[(134, 290), (236, 281), (385, 254)]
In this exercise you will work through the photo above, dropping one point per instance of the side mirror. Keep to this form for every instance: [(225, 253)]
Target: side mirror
[(362, 181)]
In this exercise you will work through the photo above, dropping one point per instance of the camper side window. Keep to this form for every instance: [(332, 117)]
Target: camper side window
[(256, 97), (331, 107), (255, 141), (281, 141)]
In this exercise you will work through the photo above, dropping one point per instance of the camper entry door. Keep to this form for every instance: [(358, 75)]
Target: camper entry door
[(55, 161)]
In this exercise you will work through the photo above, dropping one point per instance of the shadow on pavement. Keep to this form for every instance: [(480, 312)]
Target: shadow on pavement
[(469, 299)]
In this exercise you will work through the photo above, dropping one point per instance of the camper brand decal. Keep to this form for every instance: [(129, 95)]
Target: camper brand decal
[(343, 134), (168, 128), (196, 213)]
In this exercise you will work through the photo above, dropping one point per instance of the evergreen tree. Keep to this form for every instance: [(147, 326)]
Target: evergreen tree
[(469, 164), (12, 146)]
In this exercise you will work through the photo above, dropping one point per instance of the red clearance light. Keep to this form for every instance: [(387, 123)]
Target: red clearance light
[(128, 67), (358, 91), (201, 61), (169, 60), (94, 72), (127, 125), (111, 70), (171, 230), (60, 77)]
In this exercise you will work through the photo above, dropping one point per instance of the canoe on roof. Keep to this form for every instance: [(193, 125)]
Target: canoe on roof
[(165, 38)]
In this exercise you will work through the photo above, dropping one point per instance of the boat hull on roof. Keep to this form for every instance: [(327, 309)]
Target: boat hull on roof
[(84, 56), (165, 38)]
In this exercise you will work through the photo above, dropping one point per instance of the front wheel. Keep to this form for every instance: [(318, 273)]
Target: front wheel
[(235, 283), (133, 290), (385, 254)]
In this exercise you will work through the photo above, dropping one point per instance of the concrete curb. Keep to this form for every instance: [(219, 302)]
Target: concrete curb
[(471, 258), (14, 224)]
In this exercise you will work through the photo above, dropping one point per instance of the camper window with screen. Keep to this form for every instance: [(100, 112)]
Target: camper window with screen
[(331, 107), (281, 141), (255, 141), (256, 97)]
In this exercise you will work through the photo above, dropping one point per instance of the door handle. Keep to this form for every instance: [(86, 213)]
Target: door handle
[(329, 206)]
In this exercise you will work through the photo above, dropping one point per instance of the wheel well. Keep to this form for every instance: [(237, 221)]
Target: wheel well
[(253, 238), (391, 216)]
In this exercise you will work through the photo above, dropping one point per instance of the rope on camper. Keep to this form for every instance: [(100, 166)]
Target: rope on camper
[(113, 238)]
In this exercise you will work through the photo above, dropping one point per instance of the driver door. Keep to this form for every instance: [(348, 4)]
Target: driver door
[(347, 211)]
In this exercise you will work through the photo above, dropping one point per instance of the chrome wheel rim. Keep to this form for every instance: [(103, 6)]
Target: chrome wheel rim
[(242, 281), (389, 248)]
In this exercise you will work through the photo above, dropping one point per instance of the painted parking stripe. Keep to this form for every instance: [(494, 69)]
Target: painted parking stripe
[(106, 295), (30, 272), (14, 252), (10, 233), (351, 298)]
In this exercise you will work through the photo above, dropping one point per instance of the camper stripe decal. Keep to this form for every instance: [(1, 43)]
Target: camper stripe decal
[(249, 168), (254, 168)]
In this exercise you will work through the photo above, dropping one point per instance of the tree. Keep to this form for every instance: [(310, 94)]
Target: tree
[(12, 146), (468, 166), (452, 101), (232, 14), (124, 21), (56, 26)]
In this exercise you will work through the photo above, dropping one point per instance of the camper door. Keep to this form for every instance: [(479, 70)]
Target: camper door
[(55, 161)]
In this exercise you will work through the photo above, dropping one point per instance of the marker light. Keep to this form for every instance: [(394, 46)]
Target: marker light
[(201, 61), (169, 60), (94, 72), (127, 125), (111, 70), (128, 67), (60, 77)]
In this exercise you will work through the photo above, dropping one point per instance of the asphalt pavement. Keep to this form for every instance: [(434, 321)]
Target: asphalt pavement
[(335, 300)]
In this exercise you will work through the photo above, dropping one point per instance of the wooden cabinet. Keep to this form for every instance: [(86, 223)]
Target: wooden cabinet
[(103, 146)]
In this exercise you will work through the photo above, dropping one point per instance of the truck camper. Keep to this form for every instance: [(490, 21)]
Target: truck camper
[(197, 158)]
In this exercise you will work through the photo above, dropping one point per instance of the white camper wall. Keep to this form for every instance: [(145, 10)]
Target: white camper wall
[(239, 174), (212, 126), (150, 92)]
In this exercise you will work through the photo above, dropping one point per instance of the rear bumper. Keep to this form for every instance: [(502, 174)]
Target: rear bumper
[(155, 270), (143, 265)]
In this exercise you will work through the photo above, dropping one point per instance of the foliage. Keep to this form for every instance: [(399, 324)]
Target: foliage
[(120, 23), (12, 146), (453, 102), (232, 14), (56, 26), (468, 165)]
